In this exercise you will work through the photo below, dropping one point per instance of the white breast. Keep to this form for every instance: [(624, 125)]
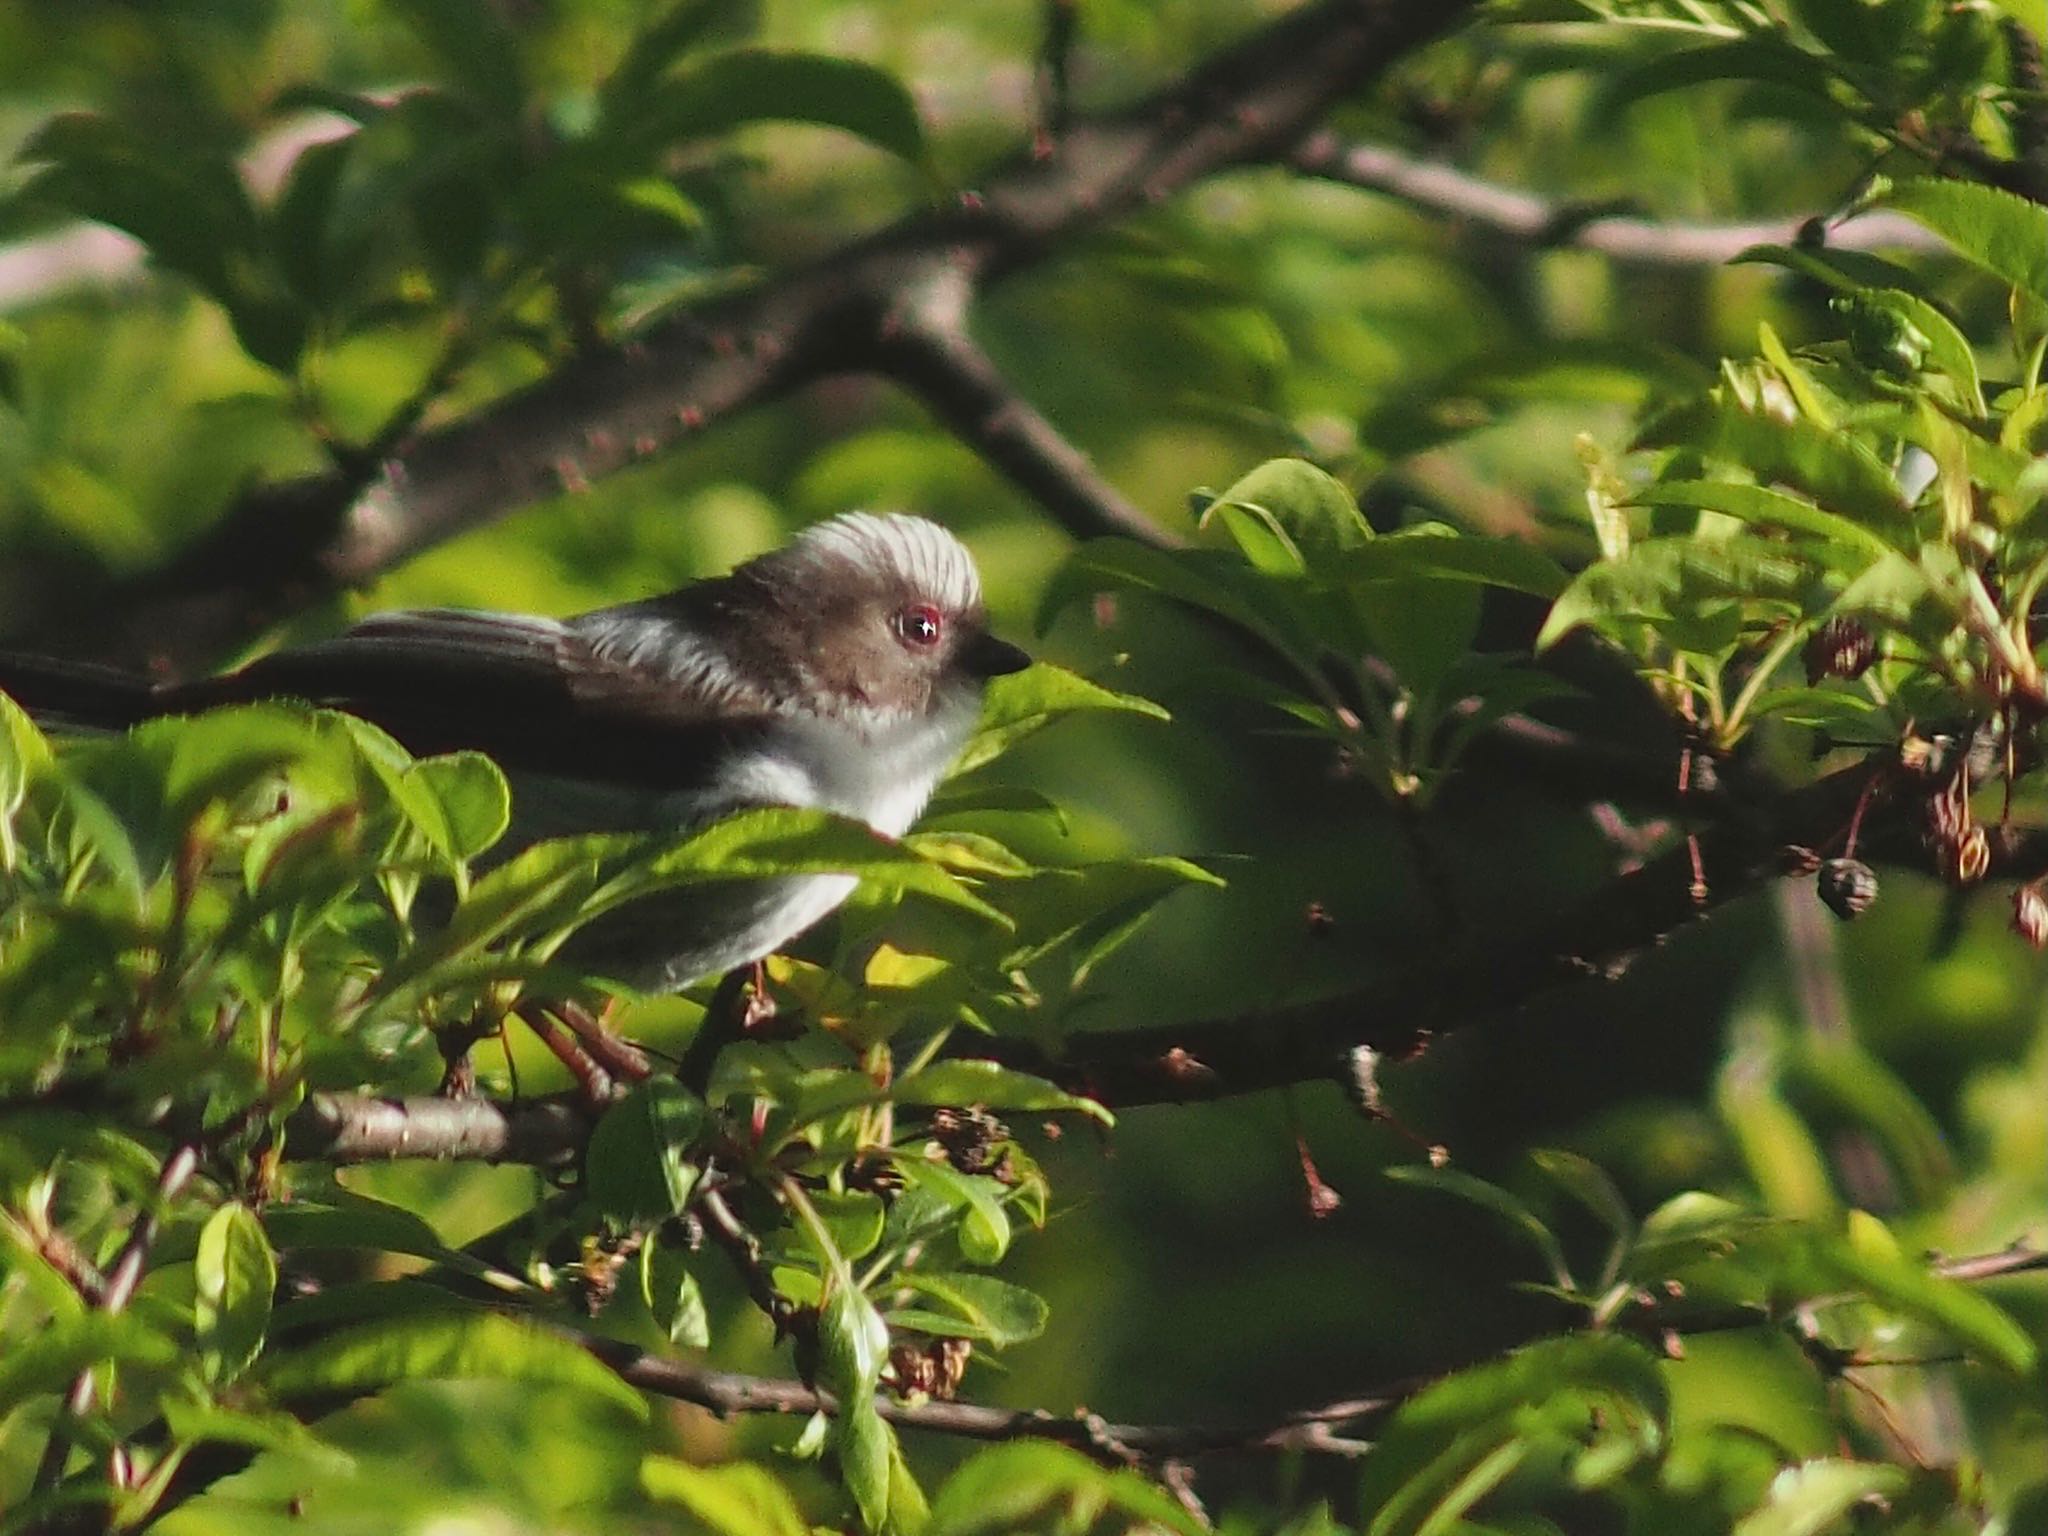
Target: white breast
[(880, 770)]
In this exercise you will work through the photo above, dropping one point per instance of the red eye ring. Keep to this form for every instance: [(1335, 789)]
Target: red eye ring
[(920, 625)]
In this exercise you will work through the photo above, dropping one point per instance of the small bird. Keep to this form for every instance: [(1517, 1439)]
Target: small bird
[(842, 672)]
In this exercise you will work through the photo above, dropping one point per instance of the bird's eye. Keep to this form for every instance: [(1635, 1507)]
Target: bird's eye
[(919, 625)]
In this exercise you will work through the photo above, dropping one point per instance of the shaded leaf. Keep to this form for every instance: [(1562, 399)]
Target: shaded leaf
[(236, 1278), (458, 1346)]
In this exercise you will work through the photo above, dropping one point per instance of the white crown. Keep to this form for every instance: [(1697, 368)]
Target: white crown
[(921, 551)]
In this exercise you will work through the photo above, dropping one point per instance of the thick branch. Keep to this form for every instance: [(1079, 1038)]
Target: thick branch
[(365, 1128), (932, 355), (1247, 1053), (605, 411), (1443, 189)]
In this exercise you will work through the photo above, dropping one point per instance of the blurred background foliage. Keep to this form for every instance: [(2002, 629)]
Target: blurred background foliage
[(1442, 369)]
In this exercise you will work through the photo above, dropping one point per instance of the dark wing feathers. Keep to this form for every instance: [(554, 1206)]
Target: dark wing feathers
[(532, 693)]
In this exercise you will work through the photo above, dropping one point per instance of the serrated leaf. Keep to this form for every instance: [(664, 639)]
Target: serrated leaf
[(235, 1276), (210, 1423), (737, 1499), (753, 85), (1032, 1485), (1491, 1197), (637, 1167), (435, 1347), (984, 1224), (672, 1294), (779, 841), (1838, 471), (45, 1363), (2005, 235), (1764, 508), (1459, 1437), (1670, 580), (1020, 704), (1313, 516), (963, 1080), (1974, 1322), (475, 800), (1441, 553), (981, 1306)]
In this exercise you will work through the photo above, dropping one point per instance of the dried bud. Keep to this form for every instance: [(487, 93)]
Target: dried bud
[(2030, 916), (1796, 859), (932, 1367), (968, 1138), (1839, 648), (1972, 860), (1848, 886), (1920, 756)]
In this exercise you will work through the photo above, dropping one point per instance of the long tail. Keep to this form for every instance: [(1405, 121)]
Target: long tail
[(79, 693)]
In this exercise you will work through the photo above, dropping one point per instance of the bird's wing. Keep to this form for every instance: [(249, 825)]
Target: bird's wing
[(539, 695)]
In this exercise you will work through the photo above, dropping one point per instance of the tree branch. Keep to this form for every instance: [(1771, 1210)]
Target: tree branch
[(727, 1392), (366, 1128), (1443, 189), (598, 414), (1314, 1429), (1743, 851)]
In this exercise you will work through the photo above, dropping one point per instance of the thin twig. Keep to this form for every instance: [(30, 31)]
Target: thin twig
[(1442, 189), (120, 1285)]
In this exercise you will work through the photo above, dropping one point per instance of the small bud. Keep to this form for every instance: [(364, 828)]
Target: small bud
[(1839, 648), (1948, 813), (1848, 886), (1919, 756), (1972, 857), (2030, 916)]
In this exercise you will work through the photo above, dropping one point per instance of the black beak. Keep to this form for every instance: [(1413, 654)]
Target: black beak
[(986, 656)]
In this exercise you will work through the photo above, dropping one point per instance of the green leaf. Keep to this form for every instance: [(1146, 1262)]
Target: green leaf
[(853, 1217), (978, 1306), (753, 85), (1032, 1485), (44, 1363), (1901, 1285), (659, 44), (1838, 471), (210, 1423), (1681, 580), (1491, 1197), (1763, 508), (853, 1343), (460, 1346), (475, 43), (2005, 235), (637, 1168), (186, 203), (1208, 580), (969, 1080), (1810, 1498), (235, 1276), (23, 754), (673, 1296), (1292, 506), (867, 1454), (1947, 349), (1019, 704), (779, 841), (1459, 1437), (475, 801), (737, 1499), (1435, 551), (1763, 59), (985, 1225)]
